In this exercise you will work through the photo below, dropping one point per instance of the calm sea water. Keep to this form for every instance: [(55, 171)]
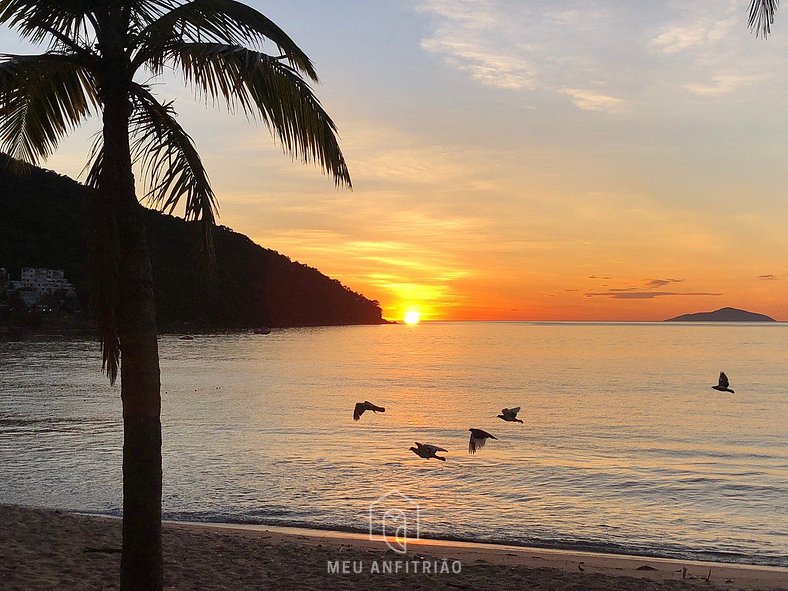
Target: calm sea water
[(624, 448)]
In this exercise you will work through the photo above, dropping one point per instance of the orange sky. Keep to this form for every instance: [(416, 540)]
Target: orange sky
[(523, 160)]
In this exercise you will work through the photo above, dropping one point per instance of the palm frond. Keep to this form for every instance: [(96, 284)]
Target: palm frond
[(218, 21), (141, 13), (104, 253), (91, 172), (36, 19), (42, 98), (264, 87), (171, 166), (761, 16)]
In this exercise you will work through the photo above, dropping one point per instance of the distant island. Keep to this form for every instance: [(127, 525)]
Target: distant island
[(42, 226), (723, 315)]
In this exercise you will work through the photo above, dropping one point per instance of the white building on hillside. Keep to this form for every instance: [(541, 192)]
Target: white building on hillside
[(46, 281)]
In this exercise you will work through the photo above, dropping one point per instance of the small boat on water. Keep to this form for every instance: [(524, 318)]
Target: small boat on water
[(262, 330)]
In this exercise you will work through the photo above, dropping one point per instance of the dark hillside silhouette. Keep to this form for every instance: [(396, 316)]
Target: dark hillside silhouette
[(41, 215)]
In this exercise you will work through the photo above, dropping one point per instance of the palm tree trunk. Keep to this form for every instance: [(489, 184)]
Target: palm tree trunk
[(141, 563)]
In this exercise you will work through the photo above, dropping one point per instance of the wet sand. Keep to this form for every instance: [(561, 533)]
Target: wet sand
[(47, 549)]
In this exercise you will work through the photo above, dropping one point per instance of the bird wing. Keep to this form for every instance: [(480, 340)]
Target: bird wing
[(373, 407), (479, 434), (723, 380), (512, 411), (475, 443), (434, 448)]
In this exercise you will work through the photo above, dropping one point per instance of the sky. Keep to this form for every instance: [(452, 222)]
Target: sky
[(521, 160)]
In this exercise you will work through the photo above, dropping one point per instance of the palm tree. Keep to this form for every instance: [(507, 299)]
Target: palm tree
[(98, 51)]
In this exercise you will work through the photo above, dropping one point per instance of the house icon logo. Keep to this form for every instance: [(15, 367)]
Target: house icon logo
[(396, 516)]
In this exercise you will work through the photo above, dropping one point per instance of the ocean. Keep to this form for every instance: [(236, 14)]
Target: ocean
[(624, 448)]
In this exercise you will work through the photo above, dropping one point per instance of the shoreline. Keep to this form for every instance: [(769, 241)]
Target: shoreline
[(350, 533), (44, 548), (461, 545), (585, 550)]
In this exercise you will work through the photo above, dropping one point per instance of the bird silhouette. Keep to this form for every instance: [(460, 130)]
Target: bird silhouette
[(510, 414), (427, 451), (364, 406), (478, 439), (722, 386)]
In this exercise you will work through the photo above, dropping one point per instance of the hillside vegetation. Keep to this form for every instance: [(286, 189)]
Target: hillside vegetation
[(41, 225)]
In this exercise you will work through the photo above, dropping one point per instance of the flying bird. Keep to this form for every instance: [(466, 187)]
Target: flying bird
[(722, 386), (478, 439), (427, 451), (364, 406), (510, 414)]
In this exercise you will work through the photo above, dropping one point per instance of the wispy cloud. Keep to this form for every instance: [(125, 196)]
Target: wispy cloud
[(590, 100), (469, 40), (400, 272), (647, 292), (721, 84), (656, 283), (645, 295), (708, 37), (534, 47), (706, 29), (519, 46)]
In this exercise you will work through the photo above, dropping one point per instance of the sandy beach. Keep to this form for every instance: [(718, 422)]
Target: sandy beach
[(48, 549)]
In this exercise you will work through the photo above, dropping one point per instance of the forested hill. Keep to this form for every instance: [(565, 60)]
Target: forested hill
[(41, 225)]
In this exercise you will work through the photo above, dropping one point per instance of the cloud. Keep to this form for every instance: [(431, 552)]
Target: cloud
[(678, 37), (700, 26), (469, 39), (645, 295), (397, 272), (707, 41), (589, 100), (721, 84), (635, 293), (521, 46), (655, 283), (768, 277), (532, 46), (484, 64)]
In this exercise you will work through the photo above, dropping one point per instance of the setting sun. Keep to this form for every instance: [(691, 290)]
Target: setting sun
[(412, 317)]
